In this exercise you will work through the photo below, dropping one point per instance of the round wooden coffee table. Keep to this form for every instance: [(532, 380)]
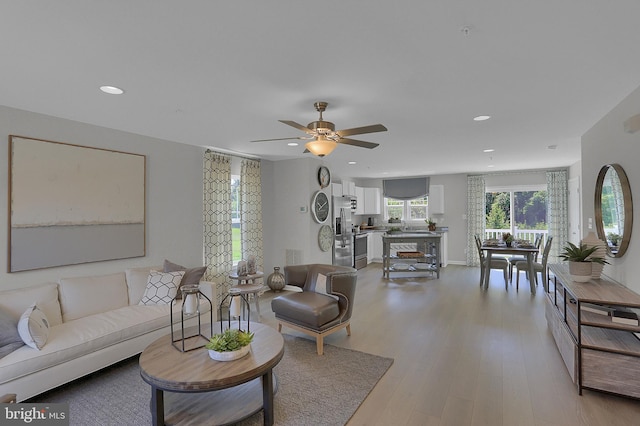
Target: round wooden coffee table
[(227, 392)]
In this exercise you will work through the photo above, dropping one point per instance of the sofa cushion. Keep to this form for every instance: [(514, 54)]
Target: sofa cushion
[(161, 287), (45, 295), (33, 327), (192, 276), (137, 282), (83, 296), (10, 339)]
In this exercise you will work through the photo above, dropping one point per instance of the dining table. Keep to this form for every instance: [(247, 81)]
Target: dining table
[(528, 251)]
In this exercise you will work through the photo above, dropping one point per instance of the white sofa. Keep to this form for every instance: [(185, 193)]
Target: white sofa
[(95, 321)]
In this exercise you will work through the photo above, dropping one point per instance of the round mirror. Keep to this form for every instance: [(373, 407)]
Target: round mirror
[(614, 209)]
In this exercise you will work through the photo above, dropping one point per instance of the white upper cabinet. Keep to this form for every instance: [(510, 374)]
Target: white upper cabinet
[(348, 188), (336, 189), (436, 199), (371, 200), (360, 200)]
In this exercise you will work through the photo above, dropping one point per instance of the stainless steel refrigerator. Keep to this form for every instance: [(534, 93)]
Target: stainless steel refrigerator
[(343, 231)]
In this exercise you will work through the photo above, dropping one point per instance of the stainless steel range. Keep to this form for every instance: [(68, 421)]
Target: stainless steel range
[(360, 250)]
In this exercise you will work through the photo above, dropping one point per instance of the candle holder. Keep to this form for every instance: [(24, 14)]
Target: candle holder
[(238, 302), (191, 297)]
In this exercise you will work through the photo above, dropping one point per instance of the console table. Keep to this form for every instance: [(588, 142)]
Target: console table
[(427, 252), (599, 354)]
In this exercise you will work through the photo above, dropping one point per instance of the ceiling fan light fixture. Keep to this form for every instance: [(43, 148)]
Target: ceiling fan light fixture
[(321, 146)]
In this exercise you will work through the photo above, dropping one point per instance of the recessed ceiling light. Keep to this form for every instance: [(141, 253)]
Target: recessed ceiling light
[(293, 144), (352, 162), (481, 118), (490, 165), (552, 146), (488, 150), (112, 90)]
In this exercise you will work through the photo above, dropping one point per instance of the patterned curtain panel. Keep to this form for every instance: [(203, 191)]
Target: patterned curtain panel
[(217, 221), (557, 211), (476, 199), (251, 211)]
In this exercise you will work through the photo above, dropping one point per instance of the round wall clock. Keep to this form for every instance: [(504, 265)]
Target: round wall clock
[(325, 238), (324, 177), (320, 207)]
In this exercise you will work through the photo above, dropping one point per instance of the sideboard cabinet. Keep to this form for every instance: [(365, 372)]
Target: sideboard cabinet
[(600, 354)]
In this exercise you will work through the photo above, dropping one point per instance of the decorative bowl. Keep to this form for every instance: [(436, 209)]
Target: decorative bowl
[(231, 355)]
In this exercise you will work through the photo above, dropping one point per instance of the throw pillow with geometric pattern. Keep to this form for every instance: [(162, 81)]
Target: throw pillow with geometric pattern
[(162, 287)]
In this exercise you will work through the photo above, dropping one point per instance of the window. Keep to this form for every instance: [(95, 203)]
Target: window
[(520, 211), (236, 241), (407, 211)]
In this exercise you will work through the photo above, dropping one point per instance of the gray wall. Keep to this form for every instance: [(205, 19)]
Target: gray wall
[(173, 198), (605, 143)]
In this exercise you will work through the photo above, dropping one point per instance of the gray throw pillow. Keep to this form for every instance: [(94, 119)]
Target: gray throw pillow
[(10, 339), (192, 276)]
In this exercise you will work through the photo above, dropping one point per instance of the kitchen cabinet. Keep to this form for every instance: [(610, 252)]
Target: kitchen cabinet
[(371, 201), (374, 246), (436, 199), (348, 188), (599, 354), (360, 200), (336, 189)]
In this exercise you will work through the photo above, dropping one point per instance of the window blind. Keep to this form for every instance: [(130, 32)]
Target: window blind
[(405, 188)]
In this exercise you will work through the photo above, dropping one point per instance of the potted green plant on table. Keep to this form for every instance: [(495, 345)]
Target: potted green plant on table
[(431, 224), (229, 345), (580, 260), (507, 238), (613, 238)]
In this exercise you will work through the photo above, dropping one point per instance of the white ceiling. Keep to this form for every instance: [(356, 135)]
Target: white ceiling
[(221, 74)]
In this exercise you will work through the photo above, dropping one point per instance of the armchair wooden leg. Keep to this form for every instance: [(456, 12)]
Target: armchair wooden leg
[(320, 344), (279, 327), (349, 329)]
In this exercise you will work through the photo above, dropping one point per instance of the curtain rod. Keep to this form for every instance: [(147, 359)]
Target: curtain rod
[(521, 172), (233, 153)]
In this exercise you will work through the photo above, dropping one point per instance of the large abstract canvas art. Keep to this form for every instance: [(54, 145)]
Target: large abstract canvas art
[(73, 204)]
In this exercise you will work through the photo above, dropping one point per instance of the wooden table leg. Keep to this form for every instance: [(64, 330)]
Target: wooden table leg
[(157, 406), (267, 397)]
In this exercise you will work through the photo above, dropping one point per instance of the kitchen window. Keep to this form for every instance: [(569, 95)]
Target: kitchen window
[(407, 211)]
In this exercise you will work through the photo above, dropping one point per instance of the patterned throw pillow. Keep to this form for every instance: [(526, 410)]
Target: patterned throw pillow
[(33, 327), (161, 287)]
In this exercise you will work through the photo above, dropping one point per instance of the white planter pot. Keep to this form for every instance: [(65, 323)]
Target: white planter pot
[(229, 356), (580, 271)]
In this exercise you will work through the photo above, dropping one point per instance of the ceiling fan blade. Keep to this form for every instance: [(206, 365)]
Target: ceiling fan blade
[(355, 142), (278, 139), (296, 125), (361, 130)]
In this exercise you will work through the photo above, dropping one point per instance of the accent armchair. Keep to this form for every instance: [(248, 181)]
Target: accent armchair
[(324, 305)]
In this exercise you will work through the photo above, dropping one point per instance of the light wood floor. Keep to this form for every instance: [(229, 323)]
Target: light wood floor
[(464, 356)]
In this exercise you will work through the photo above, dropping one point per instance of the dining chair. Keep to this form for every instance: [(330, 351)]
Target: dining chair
[(515, 259), (538, 268), (496, 263)]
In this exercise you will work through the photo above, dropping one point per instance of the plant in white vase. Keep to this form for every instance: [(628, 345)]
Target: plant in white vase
[(580, 260)]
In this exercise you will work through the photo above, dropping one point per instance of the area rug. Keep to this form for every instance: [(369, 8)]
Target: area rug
[(312, 389)]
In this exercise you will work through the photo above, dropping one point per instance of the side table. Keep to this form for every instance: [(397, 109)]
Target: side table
[(249, 288)]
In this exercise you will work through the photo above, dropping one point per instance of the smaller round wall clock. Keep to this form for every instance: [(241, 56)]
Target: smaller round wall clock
[(325, 238), (320, 207), (324, 177)]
